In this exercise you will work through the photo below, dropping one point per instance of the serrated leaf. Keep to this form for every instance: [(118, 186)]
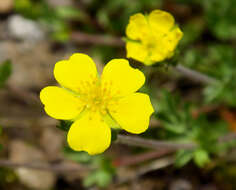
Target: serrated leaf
[(183, 157)]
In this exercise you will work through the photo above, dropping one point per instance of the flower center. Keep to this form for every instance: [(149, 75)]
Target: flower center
[(97, 97), (149, 42)]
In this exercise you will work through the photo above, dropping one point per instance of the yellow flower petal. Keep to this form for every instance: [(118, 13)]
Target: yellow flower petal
[(161, 21), (77, 73), (157, 56), (89, 134), (133, 112), (137, 27), (120, 79), (159, 52), (136, 51), (172, 38), (59, 103)]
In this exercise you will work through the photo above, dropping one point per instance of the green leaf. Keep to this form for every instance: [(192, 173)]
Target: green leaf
[(104, 178), (64, 125), (101, 178), (201, 157), (80, 157), (5, 72), (90, 180), (183, 157), (103, 173), (69, 12), (30, 9), (220, 17)]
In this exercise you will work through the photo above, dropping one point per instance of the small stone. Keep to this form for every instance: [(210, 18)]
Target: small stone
[(6, 6), (181, 184), (20, 152), (24, 29), (60, 3)]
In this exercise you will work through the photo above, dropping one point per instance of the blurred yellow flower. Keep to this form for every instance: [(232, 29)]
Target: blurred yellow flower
[(96, 103), (152, 38)]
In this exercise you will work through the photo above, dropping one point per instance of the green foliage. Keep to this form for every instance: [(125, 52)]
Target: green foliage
[(192, 31), (80, 157), (64, 125), (113, 15), (175, 121), (220, 16), (183, 157), (218, 61), (181, 126), (102, 171), (29, 8), (223, 58), (102, 176), (114, 134), (5, 72), (7, 177), (201, 157)]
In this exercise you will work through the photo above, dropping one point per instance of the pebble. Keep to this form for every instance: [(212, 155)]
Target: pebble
[(181, 184), (60, 3), (21, 152), (24, 29)]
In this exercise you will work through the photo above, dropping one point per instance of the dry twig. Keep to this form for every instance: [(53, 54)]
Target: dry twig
[(195, 75), (96, 39), (154, 144), (57, 168)]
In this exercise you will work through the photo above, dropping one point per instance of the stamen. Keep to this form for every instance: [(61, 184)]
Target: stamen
[(97, 96)]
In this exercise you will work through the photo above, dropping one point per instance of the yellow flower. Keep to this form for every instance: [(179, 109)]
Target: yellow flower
[(152, 38), (96, 103)]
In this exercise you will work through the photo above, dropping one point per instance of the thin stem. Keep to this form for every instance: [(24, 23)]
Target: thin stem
[(136, 159), (154, 144), (227, 138), (195, 75), (57, 168), (97, 39), (157, 144)]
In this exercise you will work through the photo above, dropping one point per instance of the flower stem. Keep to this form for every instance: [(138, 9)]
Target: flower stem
[(158, 144), (154, 144), (195, 75)]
